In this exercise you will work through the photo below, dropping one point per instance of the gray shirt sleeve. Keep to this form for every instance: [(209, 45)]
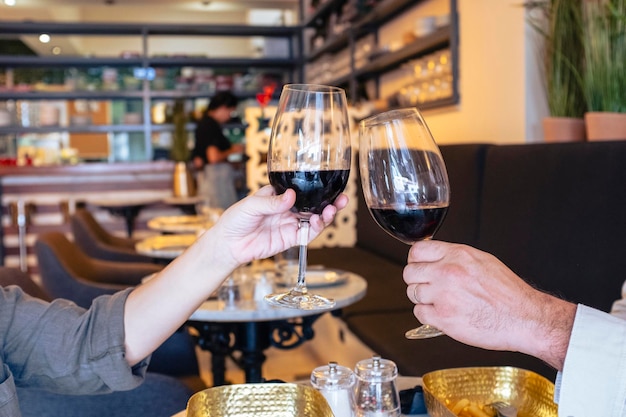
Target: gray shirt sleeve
[(65, 348)]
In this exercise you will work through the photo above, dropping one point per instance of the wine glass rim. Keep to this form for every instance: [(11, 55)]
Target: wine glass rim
[(389, 115), (317, 88)]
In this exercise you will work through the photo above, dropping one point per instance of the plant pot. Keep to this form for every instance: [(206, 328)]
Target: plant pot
[(563, 129), (183, 183), (605, 126)]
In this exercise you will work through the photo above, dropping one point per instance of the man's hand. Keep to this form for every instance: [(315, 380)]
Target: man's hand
[(473, 297)]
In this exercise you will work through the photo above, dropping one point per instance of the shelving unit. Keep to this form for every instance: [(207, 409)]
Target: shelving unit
[(289, 68), (74, 129), (230, 63), (383, 13), (432, 42), (371, 22)]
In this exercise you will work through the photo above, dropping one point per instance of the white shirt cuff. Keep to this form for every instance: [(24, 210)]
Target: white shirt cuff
[(593, 381)]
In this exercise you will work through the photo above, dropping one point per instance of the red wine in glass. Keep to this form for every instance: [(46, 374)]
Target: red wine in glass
[(314, 189), (404, 180), (410, 223)]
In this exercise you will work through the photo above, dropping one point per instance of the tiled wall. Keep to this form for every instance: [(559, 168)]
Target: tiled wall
[(343, 232)]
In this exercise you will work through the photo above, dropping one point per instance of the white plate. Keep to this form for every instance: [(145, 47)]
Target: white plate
[(166, 246), (175, 224)]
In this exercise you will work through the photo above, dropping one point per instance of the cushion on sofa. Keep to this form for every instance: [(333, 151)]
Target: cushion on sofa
[(465, 167), (384, 333), (555, 214), (386, 291)]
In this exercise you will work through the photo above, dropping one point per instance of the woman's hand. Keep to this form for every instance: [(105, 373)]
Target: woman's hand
[(257, 227), (262, 225)]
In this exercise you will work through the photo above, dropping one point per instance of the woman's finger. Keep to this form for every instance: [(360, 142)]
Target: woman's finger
[(266, 202)]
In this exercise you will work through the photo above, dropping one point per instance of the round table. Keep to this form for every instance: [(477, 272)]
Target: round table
[(253, 329), (344, 295)]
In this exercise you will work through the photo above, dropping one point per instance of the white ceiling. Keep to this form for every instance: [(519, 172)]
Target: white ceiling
[(254, 12)]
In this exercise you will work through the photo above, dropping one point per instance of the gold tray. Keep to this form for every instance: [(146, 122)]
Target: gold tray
[(259, 400), (531, 393)]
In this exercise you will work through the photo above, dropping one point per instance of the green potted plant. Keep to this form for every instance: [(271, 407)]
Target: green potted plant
[(604, 37), (183, 183), (559, 24)]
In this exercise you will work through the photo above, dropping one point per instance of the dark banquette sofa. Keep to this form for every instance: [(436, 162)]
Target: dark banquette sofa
[(554, 213)]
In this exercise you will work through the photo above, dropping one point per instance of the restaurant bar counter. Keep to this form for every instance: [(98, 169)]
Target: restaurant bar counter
[(554, 213)]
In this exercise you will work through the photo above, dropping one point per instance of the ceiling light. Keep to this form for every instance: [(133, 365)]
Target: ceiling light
[(44, 38), (10, 2), (56, 50)]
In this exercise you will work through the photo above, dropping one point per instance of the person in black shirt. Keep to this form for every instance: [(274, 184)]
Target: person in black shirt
[(211, 151)]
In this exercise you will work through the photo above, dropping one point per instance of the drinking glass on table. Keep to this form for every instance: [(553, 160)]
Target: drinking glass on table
[(209, 213), (287, 263), (404, 179), (309, 152)]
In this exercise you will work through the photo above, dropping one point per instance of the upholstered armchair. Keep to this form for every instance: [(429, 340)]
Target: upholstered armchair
[(67, 272), (13, 276), (99, 243)]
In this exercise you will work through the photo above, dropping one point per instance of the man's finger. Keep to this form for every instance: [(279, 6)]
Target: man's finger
[(429, 251)]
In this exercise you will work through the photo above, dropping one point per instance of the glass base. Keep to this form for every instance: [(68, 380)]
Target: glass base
[(300, 300), (423, 332)]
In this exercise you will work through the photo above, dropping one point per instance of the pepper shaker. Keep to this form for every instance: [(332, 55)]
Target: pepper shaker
[(376, 394), (336, 384)]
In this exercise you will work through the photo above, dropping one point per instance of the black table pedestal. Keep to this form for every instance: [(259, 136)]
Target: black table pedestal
[(245, 343)]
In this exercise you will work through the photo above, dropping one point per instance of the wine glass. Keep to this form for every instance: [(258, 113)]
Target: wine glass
[(404, 179), (309, 152)]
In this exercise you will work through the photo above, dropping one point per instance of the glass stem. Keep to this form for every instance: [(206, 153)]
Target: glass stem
[(304, 240)]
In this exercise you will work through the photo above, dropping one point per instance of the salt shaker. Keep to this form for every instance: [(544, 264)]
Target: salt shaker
[(376, 394), (336, 384), (262, 288)]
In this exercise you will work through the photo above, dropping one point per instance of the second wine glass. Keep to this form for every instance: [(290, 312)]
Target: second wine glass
[(310, 153), (404, 179)]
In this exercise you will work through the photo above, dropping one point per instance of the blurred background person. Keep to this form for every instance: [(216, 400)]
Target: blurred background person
[(216, 180)]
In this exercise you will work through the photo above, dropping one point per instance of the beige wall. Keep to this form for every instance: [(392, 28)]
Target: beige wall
[(501, 96)]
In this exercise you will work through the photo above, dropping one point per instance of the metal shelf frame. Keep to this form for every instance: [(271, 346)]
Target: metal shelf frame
[(78, 61), (120, 128), (125, 29)]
